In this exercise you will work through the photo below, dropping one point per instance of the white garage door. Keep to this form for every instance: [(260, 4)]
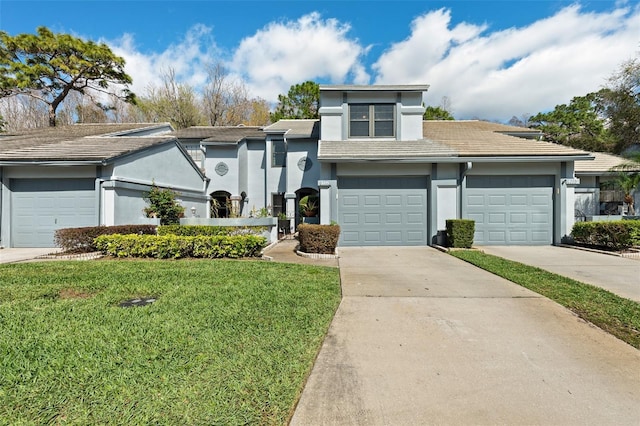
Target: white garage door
[(382, 211), (511, 210), (41, 206)]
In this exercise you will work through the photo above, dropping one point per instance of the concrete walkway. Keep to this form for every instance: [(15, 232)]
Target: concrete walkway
[(616, 274), (285, 251), (13, 255), (423, 338)]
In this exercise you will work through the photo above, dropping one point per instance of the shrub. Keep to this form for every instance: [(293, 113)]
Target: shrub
[(616, 235), (318, 238), (460, 233), (81, 240), (163, 205), (174, 246), (207, 230)]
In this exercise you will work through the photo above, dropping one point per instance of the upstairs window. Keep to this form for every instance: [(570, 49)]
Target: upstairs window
[(195, 152), (371, 120), (278, 153)]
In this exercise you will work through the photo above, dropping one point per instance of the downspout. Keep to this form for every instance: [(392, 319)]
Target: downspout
[(466, 167)]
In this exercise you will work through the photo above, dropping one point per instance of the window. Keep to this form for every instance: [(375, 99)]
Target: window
[(278, 204), (278, 153), (195, 152), (374, 120)]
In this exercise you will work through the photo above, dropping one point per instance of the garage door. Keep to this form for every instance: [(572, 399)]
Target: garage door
[(382, 211), (511, 210), (40, 206)]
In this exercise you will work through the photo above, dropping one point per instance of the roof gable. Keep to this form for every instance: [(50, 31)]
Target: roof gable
[(81, 142)]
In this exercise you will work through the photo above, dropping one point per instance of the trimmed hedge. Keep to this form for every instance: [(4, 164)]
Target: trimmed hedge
[(208, 230), (174, 246), (616, 235), (81, 240), (460, 232), (318, 238)]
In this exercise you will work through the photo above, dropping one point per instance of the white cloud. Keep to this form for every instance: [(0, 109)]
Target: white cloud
[(285, 53), (513, 71), (188, 59)]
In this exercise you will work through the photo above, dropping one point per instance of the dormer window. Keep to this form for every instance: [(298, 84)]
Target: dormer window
[(371, 120)]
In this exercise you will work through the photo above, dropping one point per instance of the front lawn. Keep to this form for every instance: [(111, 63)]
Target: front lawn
[(226, 342), (612, 313)]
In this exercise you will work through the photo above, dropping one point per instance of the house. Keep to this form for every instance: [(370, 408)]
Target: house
[(87, 175), (253, 168), (389, 178), (597, 193)]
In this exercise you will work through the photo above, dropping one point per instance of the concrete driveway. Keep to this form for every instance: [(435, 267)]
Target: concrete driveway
[(616, 274), (423, 338)]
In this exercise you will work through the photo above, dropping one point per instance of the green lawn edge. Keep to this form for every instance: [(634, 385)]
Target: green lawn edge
[(614, 314)]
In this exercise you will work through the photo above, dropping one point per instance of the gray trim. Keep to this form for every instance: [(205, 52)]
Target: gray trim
[(375, 88)]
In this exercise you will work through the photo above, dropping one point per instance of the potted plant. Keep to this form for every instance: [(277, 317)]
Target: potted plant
[(308, 207), (284, 224)]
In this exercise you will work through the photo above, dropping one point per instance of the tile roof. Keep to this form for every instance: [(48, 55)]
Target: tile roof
[(79, 142), (602, 163), (297, 128), (480, 138), (223, 134), (450, 139)]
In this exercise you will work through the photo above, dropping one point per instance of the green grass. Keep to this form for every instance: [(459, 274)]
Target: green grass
[(612, 313), (227, 342)]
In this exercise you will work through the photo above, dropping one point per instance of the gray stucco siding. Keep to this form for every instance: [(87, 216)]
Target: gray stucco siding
[(166, 165)]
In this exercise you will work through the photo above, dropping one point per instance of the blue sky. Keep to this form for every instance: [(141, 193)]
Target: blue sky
[(490, 59)]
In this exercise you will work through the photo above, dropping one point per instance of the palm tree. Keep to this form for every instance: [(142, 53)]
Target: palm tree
[(628, 179)]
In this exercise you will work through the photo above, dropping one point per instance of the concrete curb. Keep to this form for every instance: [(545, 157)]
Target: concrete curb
[(317, 255)]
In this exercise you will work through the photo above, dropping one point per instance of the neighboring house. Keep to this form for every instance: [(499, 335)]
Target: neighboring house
[(253, 168), (389, 178), (597, 194), (87, 175)]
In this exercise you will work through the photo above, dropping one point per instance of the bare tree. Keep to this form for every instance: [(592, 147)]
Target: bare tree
[(23, 113), (226, 100), (171, 101)]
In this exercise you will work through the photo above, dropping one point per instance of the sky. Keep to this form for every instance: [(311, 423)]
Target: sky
[(483, 59)]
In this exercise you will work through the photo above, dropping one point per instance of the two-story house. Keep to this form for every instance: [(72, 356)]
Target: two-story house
[(389, 178)]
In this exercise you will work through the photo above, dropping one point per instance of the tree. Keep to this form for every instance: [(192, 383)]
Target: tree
[(621, 104), (301, 101), (437, 113), (48, 66), (259, 115), (628, 179), (163, 205), (580, 124), (172, 101)]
